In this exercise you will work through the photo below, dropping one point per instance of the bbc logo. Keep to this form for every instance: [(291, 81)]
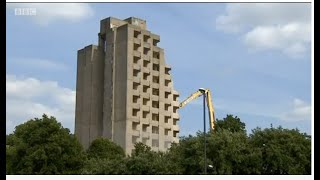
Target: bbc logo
[(25, 11)]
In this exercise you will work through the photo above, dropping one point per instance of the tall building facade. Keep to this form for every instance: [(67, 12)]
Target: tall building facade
[(124, 88)]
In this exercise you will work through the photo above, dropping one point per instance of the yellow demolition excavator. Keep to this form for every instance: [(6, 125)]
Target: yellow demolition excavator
[(207, 94)]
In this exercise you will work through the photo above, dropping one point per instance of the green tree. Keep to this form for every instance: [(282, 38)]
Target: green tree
[(43, 146), (283, 151), (145, 161), (102, 148), (230, 153), (96, 166), (104, 157), (188, 154), (230, 123)]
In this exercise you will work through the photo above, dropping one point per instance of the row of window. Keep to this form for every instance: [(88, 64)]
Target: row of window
[(155, 104), (154, 116), (146, 50), (155, 66), (154, 129), (155, 142), (155, 79), (155, 91), (146, 38)]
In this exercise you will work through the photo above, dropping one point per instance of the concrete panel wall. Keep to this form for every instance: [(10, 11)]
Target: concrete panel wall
[(97, 93), (120, 86), (79, 122), (105, 90), (108, 86), (89, 90)]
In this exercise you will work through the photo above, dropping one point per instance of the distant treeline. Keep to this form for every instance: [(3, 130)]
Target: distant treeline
[(43, 146)]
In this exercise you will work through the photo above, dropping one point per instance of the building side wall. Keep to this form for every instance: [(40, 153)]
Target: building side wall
[(97, 93), (124, 88), (108, 85), (89, 90), (120, 87)]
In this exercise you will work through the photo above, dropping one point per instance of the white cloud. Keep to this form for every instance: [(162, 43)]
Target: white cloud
[(36, 63), (28, 98), (301, 111), (49, 12), (297, 110), (270, 26)]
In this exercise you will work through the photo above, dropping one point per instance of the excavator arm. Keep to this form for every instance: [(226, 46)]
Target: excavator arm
[(211, 109), (190, 98), (209, 103)]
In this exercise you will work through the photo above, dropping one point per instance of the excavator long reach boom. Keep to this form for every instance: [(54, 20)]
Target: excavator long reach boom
[(198, 93)]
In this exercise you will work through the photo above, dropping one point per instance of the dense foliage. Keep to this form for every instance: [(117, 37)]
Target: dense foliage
[(43, 146)]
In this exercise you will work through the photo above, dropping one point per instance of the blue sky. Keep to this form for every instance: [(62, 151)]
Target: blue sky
[(255, 58)]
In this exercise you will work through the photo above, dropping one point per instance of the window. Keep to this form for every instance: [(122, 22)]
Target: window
[(155, 42), (155, 117), (175, 109), (145, 64), (155, 143), (135, 73), (136, 34), (145, 38), (135, 85), (155, 104), (166, 70), (155, 92), (145, 88), (167, 82), (175, 97), (145, 51), (135, 112), (155, 130), (166, 119), (135, 59), (156, 55), (175, 133), (145, 76), (166, 94), (155, 79), (166, 106), (175, 121), (144, 127), (145, 101), (135, 125), (145, 114), (166, 132), (135, 99), (136, 47), (155, 67)]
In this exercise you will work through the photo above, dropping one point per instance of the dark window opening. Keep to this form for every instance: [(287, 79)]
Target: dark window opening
[(156, 55), (135, 85), (155, 79), (136, 34), (135, 99), (155, 67), (155, 104), (155, 117), (155, 92)]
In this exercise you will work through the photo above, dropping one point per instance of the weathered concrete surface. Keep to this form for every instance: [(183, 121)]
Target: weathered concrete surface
[(124, 88)]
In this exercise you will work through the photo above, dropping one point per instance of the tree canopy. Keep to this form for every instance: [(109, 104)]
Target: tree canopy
[(43, 146)]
